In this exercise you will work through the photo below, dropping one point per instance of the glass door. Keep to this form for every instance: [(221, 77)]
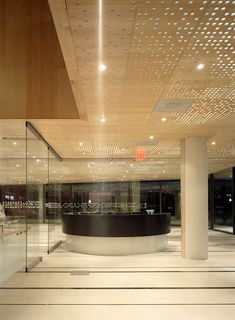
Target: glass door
[(223, 201), (36, 182)]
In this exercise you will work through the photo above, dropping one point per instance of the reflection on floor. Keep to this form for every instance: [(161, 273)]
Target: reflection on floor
[(154, 286), (223, 228)]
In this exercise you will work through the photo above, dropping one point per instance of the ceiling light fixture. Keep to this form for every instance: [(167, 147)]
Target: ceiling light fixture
[(213, 143), (80, 143), (14, 143), (103, 119), (163, 119), (200, 66), (102, 67), (151, 137)]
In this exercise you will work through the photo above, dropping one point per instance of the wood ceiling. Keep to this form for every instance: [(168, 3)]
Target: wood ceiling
[(151, 50)]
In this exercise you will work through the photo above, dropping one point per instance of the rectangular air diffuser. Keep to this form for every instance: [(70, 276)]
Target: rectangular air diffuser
[(173, 105)]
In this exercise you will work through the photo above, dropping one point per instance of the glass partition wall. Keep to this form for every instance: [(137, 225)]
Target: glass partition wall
[(43, 198), (37, 179), (12, 201), (53, 195), (223, 191), (33, 194), (30, 193), (122, 197)]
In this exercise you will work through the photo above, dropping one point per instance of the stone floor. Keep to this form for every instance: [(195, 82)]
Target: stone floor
[(162, 285)]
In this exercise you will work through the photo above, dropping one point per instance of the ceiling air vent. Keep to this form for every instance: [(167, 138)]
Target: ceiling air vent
[(173, 105)]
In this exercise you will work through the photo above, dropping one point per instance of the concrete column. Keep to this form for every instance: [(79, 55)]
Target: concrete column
[(194, 198)]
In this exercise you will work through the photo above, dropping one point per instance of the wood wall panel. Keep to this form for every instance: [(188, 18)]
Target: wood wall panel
[(33, 79)]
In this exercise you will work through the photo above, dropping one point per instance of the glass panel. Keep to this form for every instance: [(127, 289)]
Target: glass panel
[(170, 200), (12, 203), (223, 212), (66, 196), (37, 178), (54, 202), (122, 197), (104, 197), (150, 196)]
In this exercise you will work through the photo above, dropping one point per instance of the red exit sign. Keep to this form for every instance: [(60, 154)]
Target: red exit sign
[(140, 154)]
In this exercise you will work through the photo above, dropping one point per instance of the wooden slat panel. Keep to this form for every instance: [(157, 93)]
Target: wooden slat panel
[(33, 79)]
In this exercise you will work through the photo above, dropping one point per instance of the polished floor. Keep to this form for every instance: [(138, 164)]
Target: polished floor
[(163, 285)]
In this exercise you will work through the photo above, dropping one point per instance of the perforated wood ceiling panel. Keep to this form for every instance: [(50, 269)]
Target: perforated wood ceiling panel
[(164, 164), (151, 50)]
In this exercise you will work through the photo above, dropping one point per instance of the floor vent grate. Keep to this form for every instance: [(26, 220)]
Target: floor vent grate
[(80, 273)]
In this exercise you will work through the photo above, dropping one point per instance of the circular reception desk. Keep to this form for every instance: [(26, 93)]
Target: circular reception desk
[(116, 234)]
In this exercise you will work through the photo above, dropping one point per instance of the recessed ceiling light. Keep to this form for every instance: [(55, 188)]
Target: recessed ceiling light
[(37, 160), (17, 165), (15, 143), (164, 171), (80, 143), (200, 66), (103, 119), (151, 137), (213, 143), (163, 119), (54, 171), (101, 67)]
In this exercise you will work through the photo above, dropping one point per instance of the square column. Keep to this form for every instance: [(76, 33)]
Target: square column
[(194, 198)]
